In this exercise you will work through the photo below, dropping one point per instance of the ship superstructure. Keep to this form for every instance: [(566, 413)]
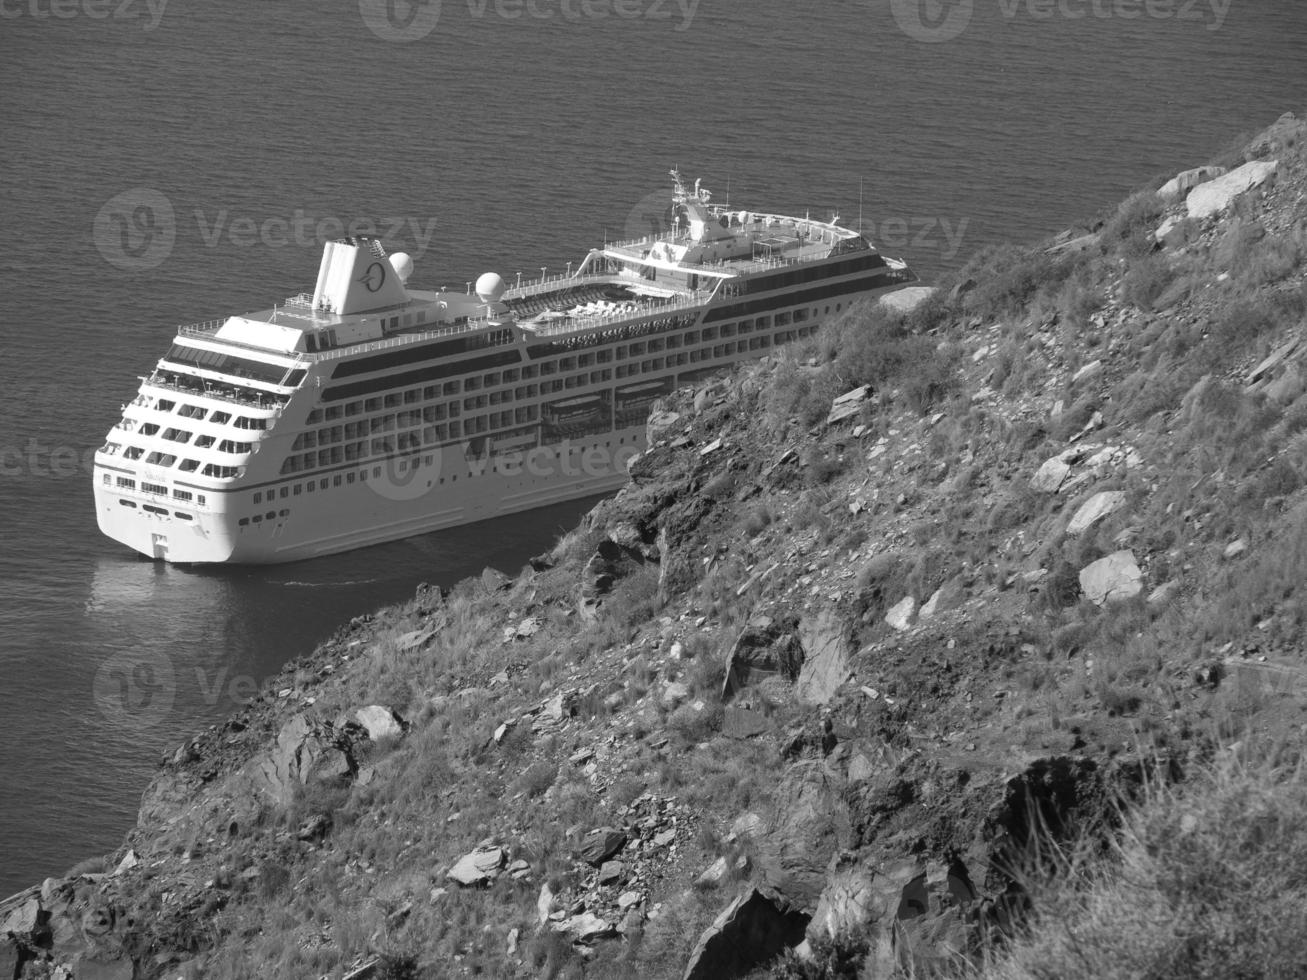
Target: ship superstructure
[(367, 411)]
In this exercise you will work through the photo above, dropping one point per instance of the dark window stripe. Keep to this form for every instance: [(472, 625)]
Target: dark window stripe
[(242, 367), (408, 378), (814, 295)]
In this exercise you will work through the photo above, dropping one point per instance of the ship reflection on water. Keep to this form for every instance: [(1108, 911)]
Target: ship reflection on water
[(180, 648)]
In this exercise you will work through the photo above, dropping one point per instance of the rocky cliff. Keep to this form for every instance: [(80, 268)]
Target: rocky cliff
[(881, 630)]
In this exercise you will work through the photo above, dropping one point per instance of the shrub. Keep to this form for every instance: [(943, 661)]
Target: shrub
[(1205, 881), (1130, 229), (1008, 278), (1147, 279)]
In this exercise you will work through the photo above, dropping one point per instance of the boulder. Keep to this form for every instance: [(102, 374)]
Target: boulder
[(847, 405), (948, 596), (1215, 196), (1094, 510), (601, 844), (20, 914), (660, 423), (751, 930), (907, 299), (675, 693), (629, 900), (902, 613), (480, 867), (1115, 577), (494, 580), (380, 722), (1263, 369), (1185, 181), (611, 872), (1090, 371), (1050, 476), (586, 927), (544, 903), (825, 658)]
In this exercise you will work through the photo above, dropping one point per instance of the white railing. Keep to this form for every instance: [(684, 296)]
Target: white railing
[(577, 324), (203, 327)]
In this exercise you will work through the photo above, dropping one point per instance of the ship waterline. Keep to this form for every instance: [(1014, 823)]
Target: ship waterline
[(367, 412)]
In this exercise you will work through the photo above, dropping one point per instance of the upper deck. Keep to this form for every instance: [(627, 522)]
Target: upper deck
[(361, 302)]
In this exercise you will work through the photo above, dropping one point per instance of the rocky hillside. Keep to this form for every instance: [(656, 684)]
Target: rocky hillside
[(964, 639)]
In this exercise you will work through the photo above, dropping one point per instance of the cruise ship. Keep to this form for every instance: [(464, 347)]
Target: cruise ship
[(367, 411)]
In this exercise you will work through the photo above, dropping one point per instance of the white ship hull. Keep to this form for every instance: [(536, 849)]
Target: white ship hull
[(375, 511)]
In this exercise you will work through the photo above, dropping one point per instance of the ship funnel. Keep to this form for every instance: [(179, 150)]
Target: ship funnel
[(355, 277)]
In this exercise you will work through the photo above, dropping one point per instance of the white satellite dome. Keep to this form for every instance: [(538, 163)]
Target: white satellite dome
[(490, 287), (402, 263)]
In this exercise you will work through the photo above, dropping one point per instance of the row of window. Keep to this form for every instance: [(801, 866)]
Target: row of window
[(199, 414), (156, 458), (432, 418), (362, 475), (128, 483)]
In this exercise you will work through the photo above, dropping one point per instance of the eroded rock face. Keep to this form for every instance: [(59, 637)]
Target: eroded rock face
[(610, 562), (303, 751), (66, 927), (763, 648), (825, 658)]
